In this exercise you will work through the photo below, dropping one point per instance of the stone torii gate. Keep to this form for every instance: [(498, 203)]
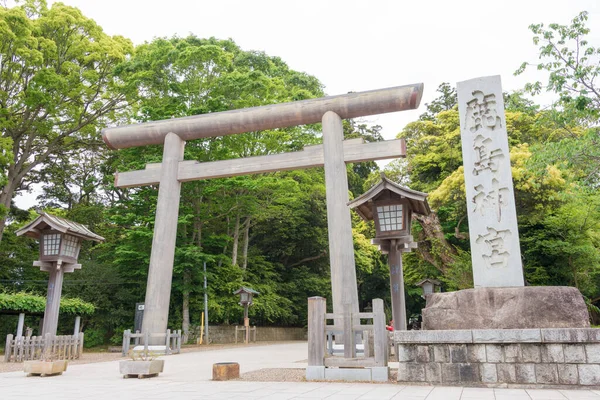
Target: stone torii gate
[(333, 155)]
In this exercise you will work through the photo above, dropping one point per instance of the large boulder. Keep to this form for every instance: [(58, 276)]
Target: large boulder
[(506, 308)]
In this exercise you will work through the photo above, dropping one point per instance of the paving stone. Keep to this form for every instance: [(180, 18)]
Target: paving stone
[(407, 352), (592, 352), (424, 354), (433, 372), (476, 353), (567, 374), (506, 335), (380, 374), (347, 374), (574, 353), (458, 353), (525, 373), (506, 373), (562, 335), (546, 373), (411, 372), (450, 373), (441, 336), (494, 353), (489, 373), (593, 335), (315, 373), (530, 353), (441, 353), (512, 353), (589, 374), (552, 353), (469, 372)]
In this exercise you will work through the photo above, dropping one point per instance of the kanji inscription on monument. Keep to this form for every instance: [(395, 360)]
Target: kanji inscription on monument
[(493, 231)]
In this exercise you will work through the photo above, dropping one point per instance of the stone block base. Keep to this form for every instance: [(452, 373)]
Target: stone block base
[(225, 371), (501, 357), (370, 374), (528, 307)]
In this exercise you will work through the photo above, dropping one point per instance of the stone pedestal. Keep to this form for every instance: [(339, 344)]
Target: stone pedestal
[(526, 307), (225, 371)]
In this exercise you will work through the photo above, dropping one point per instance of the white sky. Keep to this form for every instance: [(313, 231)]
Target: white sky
[(360, 45)]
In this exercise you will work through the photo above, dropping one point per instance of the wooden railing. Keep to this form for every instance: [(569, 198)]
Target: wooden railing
[(374, 336), (172, 341), (239, 328), (24, 348)]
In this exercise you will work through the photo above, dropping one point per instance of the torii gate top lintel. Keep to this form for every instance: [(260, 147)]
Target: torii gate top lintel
[(351, 105)]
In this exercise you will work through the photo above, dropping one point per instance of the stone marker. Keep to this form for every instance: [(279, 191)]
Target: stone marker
[(506, 308), (491, 208), (225, 371)]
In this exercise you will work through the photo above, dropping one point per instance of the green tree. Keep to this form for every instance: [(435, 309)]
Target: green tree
[(57, 86)]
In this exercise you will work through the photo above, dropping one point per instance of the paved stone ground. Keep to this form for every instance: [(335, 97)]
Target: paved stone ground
[(187, 376)]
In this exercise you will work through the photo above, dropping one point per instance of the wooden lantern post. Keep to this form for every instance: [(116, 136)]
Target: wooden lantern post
[(246, 294), (60, 242), (391, 207)]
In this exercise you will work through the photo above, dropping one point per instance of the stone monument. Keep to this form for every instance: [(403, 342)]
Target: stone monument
[(499, 299), (499, 333), (493, 231)]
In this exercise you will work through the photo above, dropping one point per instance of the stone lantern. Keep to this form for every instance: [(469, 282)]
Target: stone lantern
[(391, 207), (246, 294), (60, 242), (429, 286)]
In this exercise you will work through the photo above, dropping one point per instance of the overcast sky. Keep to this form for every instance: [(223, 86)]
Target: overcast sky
[(360, 45)]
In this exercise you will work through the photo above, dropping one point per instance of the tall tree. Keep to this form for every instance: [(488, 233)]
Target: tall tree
[(57, 87)]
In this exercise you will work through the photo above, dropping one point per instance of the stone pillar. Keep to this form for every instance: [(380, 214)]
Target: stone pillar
[(160, 273), (397, 287), (493, 232), (20, 324), (55, 282), (77, 325), (339, 225)]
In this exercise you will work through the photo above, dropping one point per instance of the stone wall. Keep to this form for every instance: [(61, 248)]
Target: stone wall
[(500, 357), (221, 334)]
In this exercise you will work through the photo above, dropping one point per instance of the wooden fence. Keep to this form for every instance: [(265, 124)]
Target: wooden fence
[(374, 336), (172, 341), (243, 329), (24, 348)]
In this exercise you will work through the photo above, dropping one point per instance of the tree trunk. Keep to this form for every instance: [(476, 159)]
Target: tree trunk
[(6, 196), (433, 245), (236, 237), (246, 242), (187, 283)]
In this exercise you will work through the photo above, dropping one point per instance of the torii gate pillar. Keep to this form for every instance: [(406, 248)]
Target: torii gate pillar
[(339, 224), (160, 273)]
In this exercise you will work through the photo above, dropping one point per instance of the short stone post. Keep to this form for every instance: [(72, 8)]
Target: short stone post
[(380, 333), (316, 331), (20, 324), (168, 342), (126, 340), (77, 325), (7, 348)]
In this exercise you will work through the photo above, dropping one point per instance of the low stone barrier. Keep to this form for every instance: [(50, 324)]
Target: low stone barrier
[(500, 357)]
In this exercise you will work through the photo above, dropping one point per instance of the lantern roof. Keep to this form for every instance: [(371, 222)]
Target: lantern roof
[(429, 280), (388, 189), (48, 221), (246, 290)]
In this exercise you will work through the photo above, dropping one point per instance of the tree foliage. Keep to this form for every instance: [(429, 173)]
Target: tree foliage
[(31, 303)]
